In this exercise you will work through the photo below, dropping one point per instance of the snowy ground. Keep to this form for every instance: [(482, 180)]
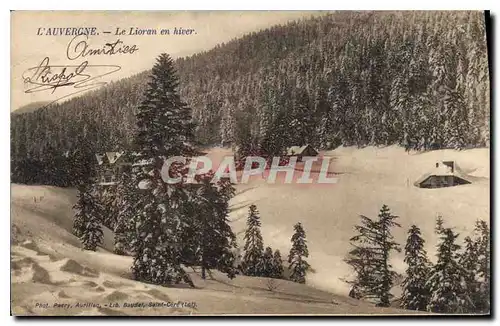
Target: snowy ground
[(368, 178), (48, 266)]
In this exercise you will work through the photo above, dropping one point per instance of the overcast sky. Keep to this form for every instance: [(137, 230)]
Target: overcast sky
[(29, 49)]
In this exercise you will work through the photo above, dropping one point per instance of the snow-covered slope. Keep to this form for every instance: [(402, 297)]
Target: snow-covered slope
[(48, 265), (368, 178)]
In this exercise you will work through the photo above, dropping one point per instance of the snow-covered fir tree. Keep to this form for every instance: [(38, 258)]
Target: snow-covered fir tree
[(482, 241), (483, 250), (360, 261), (468, 260), (91, 236), (226, 190), (105, 198), (124, 230), (277, 265), (446, 281), (267, 263), (415, 293), (81, 207), (439, 228), (164, 130), (88, 222), (301, 119), (212, 240), (81, 162), (275, 140), (373, 245), (228, 245), (298, 266), (254, 246)]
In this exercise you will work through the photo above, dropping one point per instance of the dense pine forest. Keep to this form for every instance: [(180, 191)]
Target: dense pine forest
[(416, 79)]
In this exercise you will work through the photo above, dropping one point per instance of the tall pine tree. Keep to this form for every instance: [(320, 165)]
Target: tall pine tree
[(468, 260), (298, 265), (164, 130), (267, 263), (212, 240), (370, 257), (277, 265), (88, 222), (446, 280), (415, 292), (81, 208), (126, 199), (482, 241), (252, 264)]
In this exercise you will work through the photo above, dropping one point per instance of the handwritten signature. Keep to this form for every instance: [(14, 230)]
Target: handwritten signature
[(82, 77), (79, 47)]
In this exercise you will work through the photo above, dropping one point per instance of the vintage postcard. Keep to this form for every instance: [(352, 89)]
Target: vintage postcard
[(250, 163)]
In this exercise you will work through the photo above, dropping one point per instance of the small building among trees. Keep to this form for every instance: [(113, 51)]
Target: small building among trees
[(445, 174), (110, 166), (301, 151)]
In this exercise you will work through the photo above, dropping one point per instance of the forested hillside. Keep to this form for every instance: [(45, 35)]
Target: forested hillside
[(417, 79)]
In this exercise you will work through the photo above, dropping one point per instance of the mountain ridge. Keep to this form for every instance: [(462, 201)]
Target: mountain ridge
[(348, 78)]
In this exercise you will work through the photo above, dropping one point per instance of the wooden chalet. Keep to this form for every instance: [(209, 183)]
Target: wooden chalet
[(445, 174), (109, 166), (301, 151)]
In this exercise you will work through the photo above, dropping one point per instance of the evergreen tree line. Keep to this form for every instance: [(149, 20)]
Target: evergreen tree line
[(415, 79), (459, 281), (257, 261)]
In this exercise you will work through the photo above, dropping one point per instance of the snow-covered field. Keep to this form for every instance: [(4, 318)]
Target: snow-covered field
[(368, 178), (48, 266)]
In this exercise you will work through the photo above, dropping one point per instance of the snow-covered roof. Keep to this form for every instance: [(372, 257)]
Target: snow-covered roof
[(297, 150), (443, 169), (108, 157), (113, 156)]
